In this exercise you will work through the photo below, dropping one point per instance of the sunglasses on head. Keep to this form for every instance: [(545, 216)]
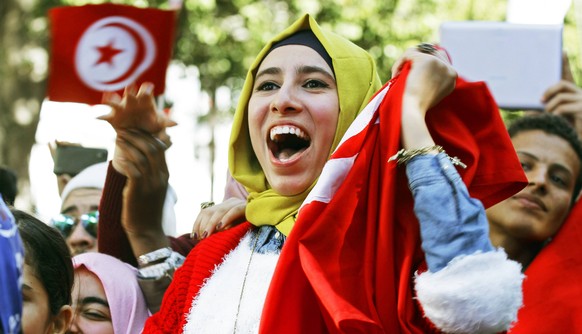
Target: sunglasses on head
[(66, 223)]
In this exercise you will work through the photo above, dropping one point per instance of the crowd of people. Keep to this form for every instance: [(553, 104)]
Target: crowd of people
[(352, 205)]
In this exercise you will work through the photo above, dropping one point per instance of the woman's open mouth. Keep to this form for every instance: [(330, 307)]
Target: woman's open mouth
[(287, 141)]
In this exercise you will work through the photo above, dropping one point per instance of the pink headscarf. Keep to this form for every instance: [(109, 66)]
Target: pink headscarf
[(126, 301)]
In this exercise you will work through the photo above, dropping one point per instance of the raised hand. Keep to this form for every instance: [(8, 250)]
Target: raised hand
[(431, 76), (219, 217), (565, 99), (430, 79), (136, 110)]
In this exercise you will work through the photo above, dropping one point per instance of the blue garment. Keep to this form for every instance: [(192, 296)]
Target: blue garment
[(270, 240), (451, 222), (11, 263)]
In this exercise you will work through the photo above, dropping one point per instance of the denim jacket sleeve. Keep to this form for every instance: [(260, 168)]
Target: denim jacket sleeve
[(451, 222)]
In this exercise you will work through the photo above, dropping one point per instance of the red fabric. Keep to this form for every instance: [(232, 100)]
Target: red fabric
[(189, 279), (348, 265), (552, 290), (116, 53)]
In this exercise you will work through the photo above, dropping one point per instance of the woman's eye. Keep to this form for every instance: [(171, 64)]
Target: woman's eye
[(315, 84), (525, 166), (266, 86), (96, 315)]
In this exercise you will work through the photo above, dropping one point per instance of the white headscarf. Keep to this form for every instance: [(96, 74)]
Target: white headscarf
[(90, 177)]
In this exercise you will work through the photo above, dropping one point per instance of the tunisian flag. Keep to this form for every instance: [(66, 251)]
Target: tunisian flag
[(98, 48), (349, 262)]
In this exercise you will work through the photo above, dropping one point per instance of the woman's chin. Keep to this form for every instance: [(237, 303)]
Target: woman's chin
[(290, 188)]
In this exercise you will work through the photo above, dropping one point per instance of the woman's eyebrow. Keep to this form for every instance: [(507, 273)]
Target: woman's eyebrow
[(94, 300), (307, 69), (270, 70)]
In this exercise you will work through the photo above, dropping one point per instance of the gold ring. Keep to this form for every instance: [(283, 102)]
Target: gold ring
[(205, 205)]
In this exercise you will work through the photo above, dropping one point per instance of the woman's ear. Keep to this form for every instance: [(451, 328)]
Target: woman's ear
[(62, 321)]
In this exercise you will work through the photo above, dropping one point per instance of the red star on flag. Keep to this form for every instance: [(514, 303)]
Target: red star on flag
[(107, 53)]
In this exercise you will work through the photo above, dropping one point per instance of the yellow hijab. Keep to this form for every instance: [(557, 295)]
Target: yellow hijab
[(357, 80)]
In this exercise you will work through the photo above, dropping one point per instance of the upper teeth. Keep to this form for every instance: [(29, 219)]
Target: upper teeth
[(286, 129)]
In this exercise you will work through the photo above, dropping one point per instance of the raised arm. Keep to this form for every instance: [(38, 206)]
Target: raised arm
[(456, 292), (140, 157)]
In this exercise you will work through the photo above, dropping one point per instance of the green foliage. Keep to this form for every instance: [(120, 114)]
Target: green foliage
[(222, 37)]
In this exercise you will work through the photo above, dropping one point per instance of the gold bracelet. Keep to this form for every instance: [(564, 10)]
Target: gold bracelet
[(404, 156)]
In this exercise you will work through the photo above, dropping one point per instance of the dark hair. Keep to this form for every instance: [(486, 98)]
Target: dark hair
[(8, 185), (554, 125), (46, 251)]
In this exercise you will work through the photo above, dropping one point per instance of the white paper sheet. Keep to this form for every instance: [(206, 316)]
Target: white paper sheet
[(517, 61)]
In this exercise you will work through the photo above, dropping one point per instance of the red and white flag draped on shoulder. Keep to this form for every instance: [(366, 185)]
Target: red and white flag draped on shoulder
[(104, 48), (349, 262)]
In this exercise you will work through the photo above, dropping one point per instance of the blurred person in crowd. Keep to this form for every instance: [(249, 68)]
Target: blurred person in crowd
[(106, 296), (47, 277), (551, 155), (79, 215)]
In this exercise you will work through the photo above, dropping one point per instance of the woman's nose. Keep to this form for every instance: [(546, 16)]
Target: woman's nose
[(286, 100)]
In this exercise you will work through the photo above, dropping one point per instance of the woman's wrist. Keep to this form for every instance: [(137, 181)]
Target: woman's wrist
[(147, 241), (415, 133)]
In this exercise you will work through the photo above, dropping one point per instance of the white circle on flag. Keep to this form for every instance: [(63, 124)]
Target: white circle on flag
[(113, 52)]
